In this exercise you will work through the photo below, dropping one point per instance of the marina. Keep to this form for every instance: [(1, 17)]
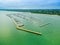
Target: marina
[(19, 26)]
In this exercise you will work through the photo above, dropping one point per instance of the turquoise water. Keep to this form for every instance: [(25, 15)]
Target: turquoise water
[(9, 35)]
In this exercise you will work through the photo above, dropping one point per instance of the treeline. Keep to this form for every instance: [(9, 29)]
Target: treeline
[(47, 11), (39, 11)]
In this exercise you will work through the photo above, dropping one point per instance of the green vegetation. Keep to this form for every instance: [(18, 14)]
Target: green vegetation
[(39, 11), (47, 11)]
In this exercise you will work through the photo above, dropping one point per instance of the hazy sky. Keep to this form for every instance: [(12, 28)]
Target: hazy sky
[(30, 4)]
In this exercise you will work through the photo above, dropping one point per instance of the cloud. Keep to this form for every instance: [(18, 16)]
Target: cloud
[(29, 3)]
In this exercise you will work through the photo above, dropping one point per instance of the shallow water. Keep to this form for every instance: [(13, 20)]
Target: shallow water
[(9, 35)]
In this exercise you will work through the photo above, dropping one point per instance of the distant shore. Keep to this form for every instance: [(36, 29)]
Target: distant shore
[(38, 11)]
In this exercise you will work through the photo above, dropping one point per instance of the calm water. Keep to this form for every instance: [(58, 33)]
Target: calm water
[(9, 35)]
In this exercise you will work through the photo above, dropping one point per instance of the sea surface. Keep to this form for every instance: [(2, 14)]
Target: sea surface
[(9, 35)]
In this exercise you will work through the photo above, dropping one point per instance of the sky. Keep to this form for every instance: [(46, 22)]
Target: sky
[(29, 4)]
